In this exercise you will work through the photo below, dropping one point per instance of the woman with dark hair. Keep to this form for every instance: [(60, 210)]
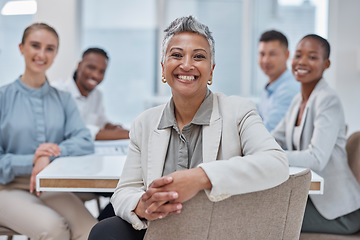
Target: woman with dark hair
[(313, 133)]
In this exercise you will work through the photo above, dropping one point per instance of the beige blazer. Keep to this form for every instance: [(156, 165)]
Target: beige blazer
[(239, 155), (322, 148)]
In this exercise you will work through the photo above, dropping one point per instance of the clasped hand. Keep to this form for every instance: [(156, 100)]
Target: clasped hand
[(166, 194), (41, 160)]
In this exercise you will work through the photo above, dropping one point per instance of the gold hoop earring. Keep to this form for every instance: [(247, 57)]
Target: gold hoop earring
[(163, 79), (209, 82)]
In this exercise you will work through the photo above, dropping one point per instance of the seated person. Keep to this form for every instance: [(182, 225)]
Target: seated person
[(89, 74), (282, 86), (313, 133), (37, 124), (195, 142)]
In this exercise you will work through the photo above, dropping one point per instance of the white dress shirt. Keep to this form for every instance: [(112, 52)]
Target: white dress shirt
[(91, 107)]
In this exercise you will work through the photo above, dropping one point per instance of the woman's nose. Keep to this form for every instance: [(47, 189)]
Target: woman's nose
[(186, 64), (302, 60), (41, 53)]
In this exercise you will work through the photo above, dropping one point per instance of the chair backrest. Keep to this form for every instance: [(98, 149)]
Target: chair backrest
[(276, 213), (353, 152)]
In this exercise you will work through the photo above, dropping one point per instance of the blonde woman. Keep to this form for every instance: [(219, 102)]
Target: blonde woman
[(37, 124)]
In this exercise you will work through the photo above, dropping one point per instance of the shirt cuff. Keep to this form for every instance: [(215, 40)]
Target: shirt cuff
[(93, 130)]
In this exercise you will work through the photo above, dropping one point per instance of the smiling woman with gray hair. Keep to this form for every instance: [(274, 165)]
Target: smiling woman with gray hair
[(198, 141)]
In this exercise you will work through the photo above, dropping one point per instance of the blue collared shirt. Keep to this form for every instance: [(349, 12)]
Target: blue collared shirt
[(276, 99), (32, 116)]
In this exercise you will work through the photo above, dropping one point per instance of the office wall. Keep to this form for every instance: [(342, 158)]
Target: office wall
[(344, 73), (65, 17)]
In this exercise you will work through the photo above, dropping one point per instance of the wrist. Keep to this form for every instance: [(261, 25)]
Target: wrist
[(138, 212), (204, 181)]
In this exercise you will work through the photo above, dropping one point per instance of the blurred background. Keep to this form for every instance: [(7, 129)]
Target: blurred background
[(131, 33)]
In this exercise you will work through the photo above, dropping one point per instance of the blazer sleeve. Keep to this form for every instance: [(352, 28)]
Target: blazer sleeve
[(131, 184), (328, 119), (262, 164)]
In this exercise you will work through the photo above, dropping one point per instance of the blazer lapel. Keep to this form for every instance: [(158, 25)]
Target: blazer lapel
[(212, 134), (158, 145), (290, 126)]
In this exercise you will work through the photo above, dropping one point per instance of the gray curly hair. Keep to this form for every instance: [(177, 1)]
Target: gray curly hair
[(187, 24)]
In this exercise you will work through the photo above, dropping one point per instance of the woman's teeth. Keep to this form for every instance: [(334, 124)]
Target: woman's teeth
[(186, 78), (302, 71)]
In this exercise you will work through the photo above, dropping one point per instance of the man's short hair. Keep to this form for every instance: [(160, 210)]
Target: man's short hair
[(274, 35), (95, 50), (92, 50)]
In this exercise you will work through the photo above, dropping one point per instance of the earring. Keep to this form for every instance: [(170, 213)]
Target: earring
[(209, 82), (163, 79)]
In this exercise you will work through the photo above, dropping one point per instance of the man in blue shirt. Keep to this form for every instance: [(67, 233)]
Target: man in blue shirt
[(282, 86)]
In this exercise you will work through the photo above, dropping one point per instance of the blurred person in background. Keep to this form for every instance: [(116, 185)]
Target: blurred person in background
[(282, 86), (39, 123)]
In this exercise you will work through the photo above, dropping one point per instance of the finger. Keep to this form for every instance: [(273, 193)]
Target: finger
[(40, 153), (165, 209), (156, 195), (53, 150), (155, 216), (159, 199), (175, 212), (32, 183), (161, 182), (50, 147)]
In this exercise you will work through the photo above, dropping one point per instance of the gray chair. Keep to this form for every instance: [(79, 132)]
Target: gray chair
[(353, 152), (271, 214)]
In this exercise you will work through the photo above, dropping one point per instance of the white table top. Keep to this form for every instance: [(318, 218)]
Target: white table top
[(97, 173), (90, 167)]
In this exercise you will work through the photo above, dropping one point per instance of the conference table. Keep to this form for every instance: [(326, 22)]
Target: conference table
[(101, 173)]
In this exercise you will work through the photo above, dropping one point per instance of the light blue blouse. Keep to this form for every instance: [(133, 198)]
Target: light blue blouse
[(32, 116)]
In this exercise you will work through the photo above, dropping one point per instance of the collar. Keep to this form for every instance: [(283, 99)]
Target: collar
[(202, 116), (35, 92), (270, 88)]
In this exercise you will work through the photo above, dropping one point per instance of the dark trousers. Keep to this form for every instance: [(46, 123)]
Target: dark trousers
[(107, 212), (115, 228), (316, 223)]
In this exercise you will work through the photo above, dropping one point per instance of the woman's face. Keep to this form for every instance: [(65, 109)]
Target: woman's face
[(187, 65), (39, 50), (309, 61)]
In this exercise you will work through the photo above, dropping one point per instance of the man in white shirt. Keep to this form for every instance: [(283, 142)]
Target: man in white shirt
[(88, 75)]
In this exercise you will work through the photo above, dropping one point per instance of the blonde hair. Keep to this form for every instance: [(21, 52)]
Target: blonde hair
[(38, 26)]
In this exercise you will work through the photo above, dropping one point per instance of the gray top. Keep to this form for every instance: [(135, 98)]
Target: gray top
[(185, 147), (32, 116)]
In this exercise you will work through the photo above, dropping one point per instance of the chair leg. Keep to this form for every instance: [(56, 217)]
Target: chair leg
[(98, 204), (10, 237)]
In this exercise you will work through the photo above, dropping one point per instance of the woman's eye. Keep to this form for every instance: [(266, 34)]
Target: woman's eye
[(35, 45), (177, 55), (199, 56), (50, 49)]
